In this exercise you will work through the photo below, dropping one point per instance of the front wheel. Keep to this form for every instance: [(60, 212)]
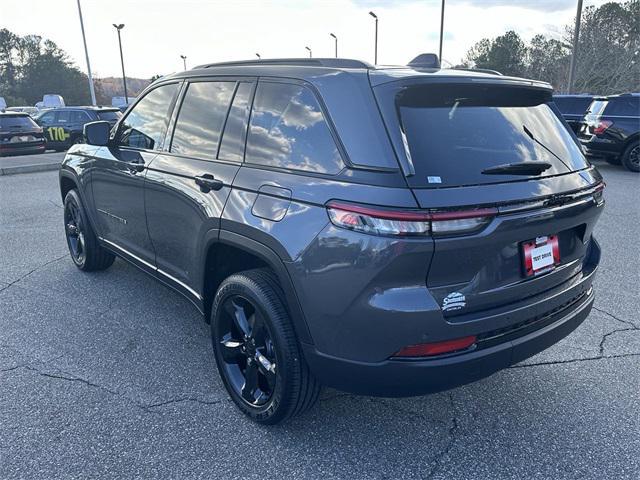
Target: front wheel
[(86, 252), (631, 157), (257, 351)]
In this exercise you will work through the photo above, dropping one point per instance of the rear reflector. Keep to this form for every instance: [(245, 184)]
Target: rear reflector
[(436, 348)]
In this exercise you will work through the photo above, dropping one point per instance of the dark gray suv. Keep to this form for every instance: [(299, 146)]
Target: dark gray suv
[(384, 231)]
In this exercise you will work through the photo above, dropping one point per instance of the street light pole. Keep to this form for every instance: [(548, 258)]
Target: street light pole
[(124, 77), (86, 53), (259, 57), (184, 61), (336, 42), (576, 34), (441, 30), (310, 53), (375, 56)]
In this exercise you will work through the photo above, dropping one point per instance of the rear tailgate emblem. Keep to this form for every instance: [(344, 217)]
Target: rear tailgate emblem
[(453, 301)]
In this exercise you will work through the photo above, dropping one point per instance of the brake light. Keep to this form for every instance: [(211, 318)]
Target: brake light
[(600, 126), (381, 221), (437, 348)]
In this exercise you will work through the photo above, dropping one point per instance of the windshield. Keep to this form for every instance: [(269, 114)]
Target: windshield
[(455, 132), (10, 122), (109, 115)]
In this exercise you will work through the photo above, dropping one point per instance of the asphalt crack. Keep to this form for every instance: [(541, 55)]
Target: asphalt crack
[(628, 322), (67, 377), (453, 430), (32, 271), (575, 360)]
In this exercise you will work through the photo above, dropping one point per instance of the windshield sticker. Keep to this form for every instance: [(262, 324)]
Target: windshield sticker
[(434, 179)]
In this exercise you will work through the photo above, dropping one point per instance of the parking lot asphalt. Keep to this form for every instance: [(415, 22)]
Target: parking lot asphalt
[(111, 375)]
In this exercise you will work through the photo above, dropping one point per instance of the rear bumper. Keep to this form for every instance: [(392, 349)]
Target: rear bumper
[(16, 148), (399, 378), (596, 147)]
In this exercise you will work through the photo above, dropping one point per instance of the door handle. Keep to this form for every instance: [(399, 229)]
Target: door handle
[(135, 167), (208, 182)]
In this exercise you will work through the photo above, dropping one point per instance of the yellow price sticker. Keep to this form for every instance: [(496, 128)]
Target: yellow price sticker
[(57, 134)]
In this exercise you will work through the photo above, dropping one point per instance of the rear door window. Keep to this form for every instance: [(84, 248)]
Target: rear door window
[(145, 126), (288, 130), (626, 106), (572, 105), (201, 119), (455, 132), (232, 146)]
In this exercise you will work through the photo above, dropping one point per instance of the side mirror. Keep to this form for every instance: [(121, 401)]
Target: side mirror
[(97, 133)]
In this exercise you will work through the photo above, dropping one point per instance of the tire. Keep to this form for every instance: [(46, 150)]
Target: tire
[(257, 351), (613, 160), (87, 254), (631, 156)]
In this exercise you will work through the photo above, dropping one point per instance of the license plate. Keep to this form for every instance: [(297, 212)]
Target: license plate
[(540, 255)]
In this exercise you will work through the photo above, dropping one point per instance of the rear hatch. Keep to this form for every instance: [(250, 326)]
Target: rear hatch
[(500, 147), (19, 128)]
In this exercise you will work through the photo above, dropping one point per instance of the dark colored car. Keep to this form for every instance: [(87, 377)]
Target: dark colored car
[(611, 129), (384, 231), (573, 108), (63, 126), (20, 134)]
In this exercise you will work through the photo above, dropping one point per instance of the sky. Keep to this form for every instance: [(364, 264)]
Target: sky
[(157, 32)]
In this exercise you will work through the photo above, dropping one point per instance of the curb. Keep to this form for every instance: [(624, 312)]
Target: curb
[(42, 167)]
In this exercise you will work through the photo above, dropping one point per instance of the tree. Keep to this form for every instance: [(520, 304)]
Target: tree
[(505, 53), (607, 60), (31, 66)]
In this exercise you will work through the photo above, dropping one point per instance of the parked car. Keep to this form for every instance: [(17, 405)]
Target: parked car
[(611, 129), (573, 108), (63, 126), (31, 111), (20, 134), (383, 231)]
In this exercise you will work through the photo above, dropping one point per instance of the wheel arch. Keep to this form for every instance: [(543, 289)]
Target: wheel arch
[(247, 253), (629, 140)]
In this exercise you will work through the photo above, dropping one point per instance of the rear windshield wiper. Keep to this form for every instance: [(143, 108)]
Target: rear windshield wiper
[(522, 168)]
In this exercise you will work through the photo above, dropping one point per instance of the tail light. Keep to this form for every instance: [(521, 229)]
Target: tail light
[(437, 348), (380, 221), (600, 126)]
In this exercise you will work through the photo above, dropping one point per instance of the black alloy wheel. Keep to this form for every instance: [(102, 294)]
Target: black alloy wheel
[(247, 350), (74, 229), (257, 351)]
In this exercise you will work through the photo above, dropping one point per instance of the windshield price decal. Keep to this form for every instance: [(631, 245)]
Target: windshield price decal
[(57, 134)]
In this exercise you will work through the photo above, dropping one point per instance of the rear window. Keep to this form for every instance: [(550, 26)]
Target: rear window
[(572, 105), (596, 107), (9, 122), (109, 115), (454, 132), (627, 106)]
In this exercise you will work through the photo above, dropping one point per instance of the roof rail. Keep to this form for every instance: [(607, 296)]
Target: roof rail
[(308, 62), (482, 70)]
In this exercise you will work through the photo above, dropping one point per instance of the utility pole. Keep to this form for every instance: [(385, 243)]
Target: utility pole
[(375, 55), (336, 42), (441, 30), (86, 53), (184, 61), (310, 53), (124, 77), (576, 34)]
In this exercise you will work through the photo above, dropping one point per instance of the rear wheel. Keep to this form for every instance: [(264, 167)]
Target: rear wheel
[(86, 252), (631, 157), (257, 351)]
